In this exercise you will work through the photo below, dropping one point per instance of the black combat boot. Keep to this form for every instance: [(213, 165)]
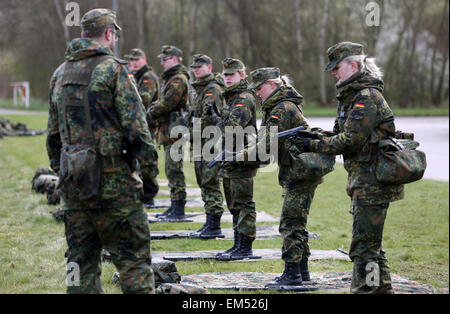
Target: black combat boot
[(237, 239), (177, 210), (304, 271), (196, 234), (165, 213), (245, 248), (212, 229), (150, 203), (227, 254), (290, 277)]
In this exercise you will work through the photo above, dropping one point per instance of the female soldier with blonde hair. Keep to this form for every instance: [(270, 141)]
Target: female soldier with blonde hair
[(281, 107), (364, 119)]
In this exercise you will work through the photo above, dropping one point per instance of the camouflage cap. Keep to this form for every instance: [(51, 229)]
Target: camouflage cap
[(170, 51), (340, 51), (199, 60), (231, 66), (135, 54), (260, 76), (99, 18)]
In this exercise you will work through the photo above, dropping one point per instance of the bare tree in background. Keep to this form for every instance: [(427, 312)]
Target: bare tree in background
[(410, 78), (436, 93), (140, 13), (292, 35), (62, 19), (322, 34), (192, 28), (298, 33)]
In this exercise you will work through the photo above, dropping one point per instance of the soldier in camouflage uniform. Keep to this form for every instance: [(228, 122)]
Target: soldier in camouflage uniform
[(281, 106), (364, 119), (94, 103), (170, 112), (239, 111), (148, 87), (206, 108)]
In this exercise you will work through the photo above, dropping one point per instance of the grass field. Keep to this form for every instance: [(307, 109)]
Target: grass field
[(32, 244)]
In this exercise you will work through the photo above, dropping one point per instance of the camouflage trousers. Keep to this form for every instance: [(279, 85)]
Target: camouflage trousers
[(239, 198), (175, 175), (371, 272), (124, 232), (294, 217), (209, 182)]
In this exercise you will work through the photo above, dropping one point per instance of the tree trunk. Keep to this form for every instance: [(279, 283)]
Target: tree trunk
[(322, 34), (434, 95), (62, 20), (441, 80), (146, 29), (193, 28), (409, 83), (298, 33), (139, 10), (375, 31)]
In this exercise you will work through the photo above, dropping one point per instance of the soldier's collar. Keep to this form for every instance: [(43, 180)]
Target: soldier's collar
[(204, 80)]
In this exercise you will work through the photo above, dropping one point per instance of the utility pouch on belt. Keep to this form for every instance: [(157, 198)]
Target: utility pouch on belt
[(312, 166), (399, 162), (80, 164)]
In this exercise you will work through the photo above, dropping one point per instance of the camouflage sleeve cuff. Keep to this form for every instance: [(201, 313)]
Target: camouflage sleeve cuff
[(314, 145)]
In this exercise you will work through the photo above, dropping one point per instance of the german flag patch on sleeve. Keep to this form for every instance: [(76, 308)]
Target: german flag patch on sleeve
[(361, 106)]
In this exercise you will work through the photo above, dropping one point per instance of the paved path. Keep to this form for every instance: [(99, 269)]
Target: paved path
[(4, 111), (431, 132)]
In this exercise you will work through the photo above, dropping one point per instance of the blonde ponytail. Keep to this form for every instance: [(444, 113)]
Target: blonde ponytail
[(367, 65)]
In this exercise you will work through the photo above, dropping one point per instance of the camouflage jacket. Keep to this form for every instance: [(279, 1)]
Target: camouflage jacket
[(364, 118), (239, 111), (118, 124), (209, 102), (174, 99), (282, 110), (148, 85)]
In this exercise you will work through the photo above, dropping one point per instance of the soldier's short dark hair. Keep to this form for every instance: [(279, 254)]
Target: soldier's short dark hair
[(95, 32)]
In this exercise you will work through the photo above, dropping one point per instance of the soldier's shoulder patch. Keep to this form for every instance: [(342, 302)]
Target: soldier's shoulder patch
[(275, 116), (360, 106), (365, 92), (130, 75), (240, 105), (357, 114)]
